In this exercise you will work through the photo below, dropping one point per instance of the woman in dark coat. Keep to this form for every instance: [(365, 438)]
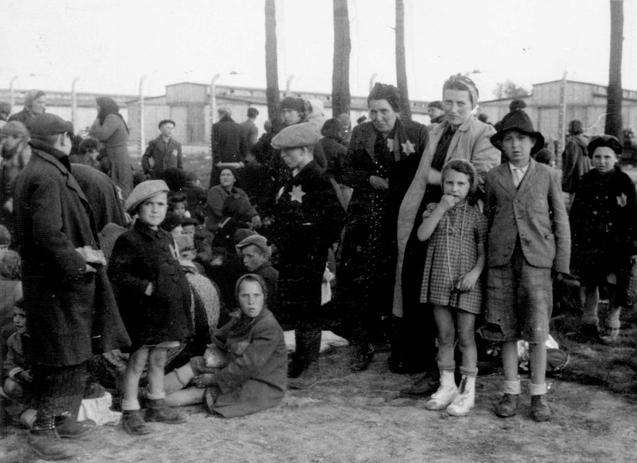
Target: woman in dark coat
[(604, 233), (381, 162), (110, 129), (253, 376)]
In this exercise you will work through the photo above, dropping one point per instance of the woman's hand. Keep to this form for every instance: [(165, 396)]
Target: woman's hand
[(205, 380), (468, 281), (378, 183)]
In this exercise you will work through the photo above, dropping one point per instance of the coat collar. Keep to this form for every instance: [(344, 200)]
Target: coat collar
[(50, 155)]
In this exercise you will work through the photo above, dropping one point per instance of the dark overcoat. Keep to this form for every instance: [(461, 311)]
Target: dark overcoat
[(142, 256), (160, 156), (71, 313), (256, 376), (308, 219)]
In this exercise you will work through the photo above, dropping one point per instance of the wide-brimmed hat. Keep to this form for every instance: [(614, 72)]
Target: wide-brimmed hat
[(604, 140), (259, 241), (517, 120), (143, 191)]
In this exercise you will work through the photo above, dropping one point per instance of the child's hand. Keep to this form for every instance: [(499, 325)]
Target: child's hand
[(205, 380), (447, 202), (467, 282)]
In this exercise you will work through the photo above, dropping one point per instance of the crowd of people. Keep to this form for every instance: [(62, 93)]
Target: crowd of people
[(435, 233)]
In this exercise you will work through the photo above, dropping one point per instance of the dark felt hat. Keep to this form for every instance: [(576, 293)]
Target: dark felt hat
[(517, 120), (46, 124), (604, 140), (296, 104)]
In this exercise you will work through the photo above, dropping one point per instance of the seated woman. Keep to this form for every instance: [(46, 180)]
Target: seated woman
[(255, 375), (226, 194)]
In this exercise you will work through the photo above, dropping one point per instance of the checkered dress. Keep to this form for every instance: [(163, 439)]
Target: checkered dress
[(449, 257)]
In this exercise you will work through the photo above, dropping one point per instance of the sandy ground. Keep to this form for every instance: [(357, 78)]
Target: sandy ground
[(360, 418)]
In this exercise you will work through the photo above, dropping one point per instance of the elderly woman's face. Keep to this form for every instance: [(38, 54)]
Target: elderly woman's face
[(251, 298), (382, 115), (457, 105), (39, 105), (226, 178)]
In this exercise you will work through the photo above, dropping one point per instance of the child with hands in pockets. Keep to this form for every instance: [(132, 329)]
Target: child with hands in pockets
[(451, 282)]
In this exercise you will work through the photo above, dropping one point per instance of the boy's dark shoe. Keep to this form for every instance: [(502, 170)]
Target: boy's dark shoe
[(508, 405), (540, 410), (46, 445), (133, 423), (68, 428), (424, 387), (159, 412), (362, 357), (307, 379)]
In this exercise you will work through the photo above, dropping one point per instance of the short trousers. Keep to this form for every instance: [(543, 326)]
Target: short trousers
[(519, 301)]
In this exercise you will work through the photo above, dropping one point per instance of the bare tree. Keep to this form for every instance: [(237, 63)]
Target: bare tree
[(509, 89), (341, 97), (614, 105), (271, 62), (401, 61)]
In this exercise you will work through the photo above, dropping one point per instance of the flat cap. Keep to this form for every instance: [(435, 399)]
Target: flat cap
[(604, 140), (143, 191), (46, 124), (256, 240), (296, 136)]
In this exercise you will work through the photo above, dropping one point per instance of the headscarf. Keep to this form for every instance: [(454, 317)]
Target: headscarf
[(31, 96), (460, 82), (107, 107)]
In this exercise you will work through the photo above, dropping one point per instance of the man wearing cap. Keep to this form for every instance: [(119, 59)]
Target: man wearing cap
[(250, 130), (575, 160), (436, 112), (163, 152), (307, 220), (72, 313), (256, 252), (529, 243), (229, 144)]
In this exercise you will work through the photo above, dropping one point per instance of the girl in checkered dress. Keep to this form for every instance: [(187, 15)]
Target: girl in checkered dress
[(451, 283)]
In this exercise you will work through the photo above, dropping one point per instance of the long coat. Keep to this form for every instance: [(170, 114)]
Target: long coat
[(534, 213), (71, 314), (307, 220), (575, 163), (102, 196), (470, 142), (160, 156), (114, 135), (229, 144), (256, 376), (369, 248), (142, 256)]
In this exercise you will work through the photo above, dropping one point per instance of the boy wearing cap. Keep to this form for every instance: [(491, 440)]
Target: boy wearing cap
[(529, 242), (256, 253), (70, 305), (163, 152), (307, 220)]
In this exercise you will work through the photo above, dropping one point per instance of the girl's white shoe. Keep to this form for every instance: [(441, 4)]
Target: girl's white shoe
[(445, 393), (465, 400)]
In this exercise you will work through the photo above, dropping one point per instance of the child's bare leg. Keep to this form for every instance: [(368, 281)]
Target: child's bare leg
[(537, 364), (466, 340), (508, 405), (156, 364), (178, 379), (612, 321), (134, 370), (446, 337), (510, 360), (188, 396)]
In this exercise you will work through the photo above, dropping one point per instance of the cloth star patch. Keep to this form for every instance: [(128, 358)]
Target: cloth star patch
[(408, 147), (297, 193), (622, 200)]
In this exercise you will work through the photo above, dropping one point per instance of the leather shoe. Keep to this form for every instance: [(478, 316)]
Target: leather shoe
[(362, 358), (68, 428), (46, 445), (424, 387), (508, 405), (539, 408)]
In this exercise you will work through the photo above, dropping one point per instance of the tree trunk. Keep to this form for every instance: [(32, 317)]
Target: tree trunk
[(271, 63), (401, 62), (614, 105), (341, 97)]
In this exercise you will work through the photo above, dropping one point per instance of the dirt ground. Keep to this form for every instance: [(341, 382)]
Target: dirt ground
[(360, 418)]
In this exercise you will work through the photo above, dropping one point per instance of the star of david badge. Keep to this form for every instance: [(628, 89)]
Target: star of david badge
[(622, 200), (297, 193), (408, 147)]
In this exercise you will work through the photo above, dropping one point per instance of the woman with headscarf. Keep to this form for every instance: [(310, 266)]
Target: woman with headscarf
[(15, 155), (111, 129), (34, 105), (381, 161), (459, 136)]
